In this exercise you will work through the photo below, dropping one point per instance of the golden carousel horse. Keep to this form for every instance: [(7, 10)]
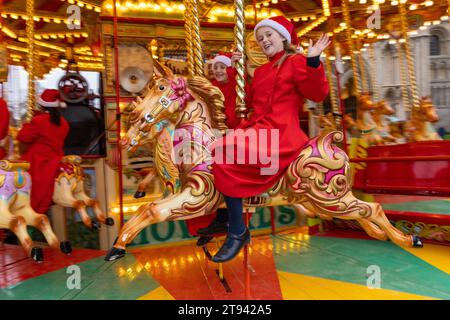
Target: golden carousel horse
[(16, 212), (381, 110), (419, 127), (180, 114), (70, 192), (365, 122)]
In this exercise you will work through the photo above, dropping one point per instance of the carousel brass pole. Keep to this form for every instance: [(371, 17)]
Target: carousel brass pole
[(329, 70), (362, 69), (188, 34), (118, 113), (376, 95), (239, 38), (348, 31), (337, 55), (409, 59), (197, 40), (404, 78), (30, 58)]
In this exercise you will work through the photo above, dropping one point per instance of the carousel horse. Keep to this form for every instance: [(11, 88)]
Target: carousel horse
[(16, 212), (365, 123), (184, 116), (70, 192), (382, 109), (419, 127)]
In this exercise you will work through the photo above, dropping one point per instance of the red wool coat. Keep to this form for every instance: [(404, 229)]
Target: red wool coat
[(45, 149), (276, 94), (4, 125)]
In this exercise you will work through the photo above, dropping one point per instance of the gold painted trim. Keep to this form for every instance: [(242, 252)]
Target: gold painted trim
[(9, 165)]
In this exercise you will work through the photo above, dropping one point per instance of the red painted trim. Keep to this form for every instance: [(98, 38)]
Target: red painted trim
[(171, 22), (427, 190), (401, 158)]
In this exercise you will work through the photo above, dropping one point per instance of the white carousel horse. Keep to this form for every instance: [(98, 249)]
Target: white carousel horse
[(318, 180)]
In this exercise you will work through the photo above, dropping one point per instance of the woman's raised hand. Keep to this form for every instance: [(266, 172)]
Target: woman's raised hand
[(319, 46)]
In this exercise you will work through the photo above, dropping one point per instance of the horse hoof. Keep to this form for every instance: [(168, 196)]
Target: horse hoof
[(202, 241), (109, 221), (114, 254), (139, 194), (417, 242), (37, 254), (65, 247), (95, 225)]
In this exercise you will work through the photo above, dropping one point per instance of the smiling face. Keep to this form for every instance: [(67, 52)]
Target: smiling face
[(220, 72), (270, 41)]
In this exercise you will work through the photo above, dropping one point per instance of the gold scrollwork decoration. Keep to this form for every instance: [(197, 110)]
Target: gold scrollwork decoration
[(9, 165)]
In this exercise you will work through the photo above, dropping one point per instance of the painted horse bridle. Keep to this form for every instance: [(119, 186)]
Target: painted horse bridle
[(177, 92)]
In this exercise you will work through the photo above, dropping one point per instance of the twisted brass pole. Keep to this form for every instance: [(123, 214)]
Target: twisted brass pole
[(197, 40), (239, 39), (333, 97), (348, 31), (188, 34), (376, 95), (404, 78), (409, 59), (362, 70), (30, 58)]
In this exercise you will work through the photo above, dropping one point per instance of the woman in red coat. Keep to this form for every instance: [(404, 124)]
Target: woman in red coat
[(278, 90), (44, 136), (4, 125)]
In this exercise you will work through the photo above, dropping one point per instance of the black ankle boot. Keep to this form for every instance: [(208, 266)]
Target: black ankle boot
[(233, 244), (214, 227)]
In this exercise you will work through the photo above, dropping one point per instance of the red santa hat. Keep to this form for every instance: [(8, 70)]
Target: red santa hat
[(225, 58), (282, 25), (50, 98)]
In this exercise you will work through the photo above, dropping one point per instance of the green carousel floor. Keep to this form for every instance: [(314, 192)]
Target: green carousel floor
[(289, 265)]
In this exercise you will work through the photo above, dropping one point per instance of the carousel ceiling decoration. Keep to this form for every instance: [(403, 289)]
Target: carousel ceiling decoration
[(310, 17)]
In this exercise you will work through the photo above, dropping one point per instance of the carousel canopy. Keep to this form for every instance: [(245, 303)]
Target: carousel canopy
[(55, 42)]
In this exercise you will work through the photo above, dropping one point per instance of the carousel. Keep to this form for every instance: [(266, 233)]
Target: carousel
[(363, 212)]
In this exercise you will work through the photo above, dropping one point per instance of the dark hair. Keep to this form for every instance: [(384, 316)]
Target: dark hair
[(55, 115)]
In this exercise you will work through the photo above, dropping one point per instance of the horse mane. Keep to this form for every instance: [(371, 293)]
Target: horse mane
[(213, 98)]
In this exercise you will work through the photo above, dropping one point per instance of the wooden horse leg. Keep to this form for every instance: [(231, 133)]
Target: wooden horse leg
[(80, 194), (144, 184), (63, 196), (373, 220), (40, 221), (18, 226), (176, 207), (369, 227), (395, 235)]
